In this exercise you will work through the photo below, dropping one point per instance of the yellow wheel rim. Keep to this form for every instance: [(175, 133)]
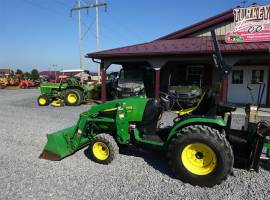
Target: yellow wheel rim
[(72, 98), (199, 159), (100, 151), (42, 101)]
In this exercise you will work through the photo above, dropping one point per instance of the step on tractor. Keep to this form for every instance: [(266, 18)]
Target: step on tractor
[(72, 93), (202, 148)]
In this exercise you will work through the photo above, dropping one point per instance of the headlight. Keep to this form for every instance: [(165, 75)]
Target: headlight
[(119, 89), (121, 114)]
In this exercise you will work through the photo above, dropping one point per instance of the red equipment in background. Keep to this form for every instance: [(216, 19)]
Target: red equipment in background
[(27, 84)]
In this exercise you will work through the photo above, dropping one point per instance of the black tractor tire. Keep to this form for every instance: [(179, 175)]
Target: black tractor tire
[(200, 143), (73, 97), (43, 100), (108, 147)]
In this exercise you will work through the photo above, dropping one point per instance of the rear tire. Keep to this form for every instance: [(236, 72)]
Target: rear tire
[(73, 97), (103, 149), (43, 100), (200, 155)]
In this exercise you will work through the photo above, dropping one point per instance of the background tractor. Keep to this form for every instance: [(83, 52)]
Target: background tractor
[(72, 92)]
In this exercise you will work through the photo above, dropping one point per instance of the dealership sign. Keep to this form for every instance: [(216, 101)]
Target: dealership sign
[(251, 24)]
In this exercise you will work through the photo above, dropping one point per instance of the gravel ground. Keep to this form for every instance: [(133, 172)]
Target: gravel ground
[(134, 175)]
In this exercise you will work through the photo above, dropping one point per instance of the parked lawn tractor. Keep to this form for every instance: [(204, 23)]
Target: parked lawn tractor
[(72, 92)]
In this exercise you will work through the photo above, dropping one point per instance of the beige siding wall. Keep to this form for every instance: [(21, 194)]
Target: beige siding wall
[(221, 29)]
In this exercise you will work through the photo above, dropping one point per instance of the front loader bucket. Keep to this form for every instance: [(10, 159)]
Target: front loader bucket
[(59, 144)]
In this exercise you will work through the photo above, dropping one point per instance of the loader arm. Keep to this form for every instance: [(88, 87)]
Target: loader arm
[(65, 142), (222, 66), (98, 119)]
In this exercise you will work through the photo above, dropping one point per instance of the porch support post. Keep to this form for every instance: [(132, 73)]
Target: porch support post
[(157, 64), (157, 82), (103, 83), (224, 90)]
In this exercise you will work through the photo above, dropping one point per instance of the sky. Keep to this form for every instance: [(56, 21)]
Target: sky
[(41, 34)]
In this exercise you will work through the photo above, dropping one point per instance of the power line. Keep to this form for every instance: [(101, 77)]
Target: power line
[(35, 4), (244, 2), (87, 29), (61, 3), (85, 2), (125, 27)]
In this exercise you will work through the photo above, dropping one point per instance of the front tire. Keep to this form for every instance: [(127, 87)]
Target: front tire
[(43, 100), (200, 155), (103, 149)]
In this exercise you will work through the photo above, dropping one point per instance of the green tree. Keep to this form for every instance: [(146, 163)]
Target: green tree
[(27, 75), (34, 74), (19, 73)]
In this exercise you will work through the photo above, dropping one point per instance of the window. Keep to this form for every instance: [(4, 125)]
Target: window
[(195, 75), (257, 76), (237, 76)]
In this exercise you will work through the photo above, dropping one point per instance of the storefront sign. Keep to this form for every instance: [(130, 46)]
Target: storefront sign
[(251, 24)]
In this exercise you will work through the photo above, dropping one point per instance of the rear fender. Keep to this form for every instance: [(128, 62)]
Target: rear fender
[(217, 122)]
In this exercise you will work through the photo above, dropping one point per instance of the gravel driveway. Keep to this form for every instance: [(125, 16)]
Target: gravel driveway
[(134, 175)]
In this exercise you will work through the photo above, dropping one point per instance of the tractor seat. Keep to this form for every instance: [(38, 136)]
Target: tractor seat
[(224, 108), (152, 114)]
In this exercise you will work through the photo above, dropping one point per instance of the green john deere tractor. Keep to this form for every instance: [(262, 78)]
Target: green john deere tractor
[(73, 93), (201, 147)]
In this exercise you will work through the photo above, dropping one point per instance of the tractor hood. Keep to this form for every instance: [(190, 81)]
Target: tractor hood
[(135, 105), (53, 85)]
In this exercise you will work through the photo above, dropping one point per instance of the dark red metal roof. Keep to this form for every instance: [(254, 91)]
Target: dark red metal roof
[(212, 21), (178, 43), (184, 46)]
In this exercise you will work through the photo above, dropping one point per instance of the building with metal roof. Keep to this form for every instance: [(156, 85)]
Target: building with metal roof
[(187, 54)]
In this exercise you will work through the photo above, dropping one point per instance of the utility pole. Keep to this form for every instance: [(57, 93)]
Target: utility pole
[(54, 67), (80, 34), (93, 5), (97, 39)]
